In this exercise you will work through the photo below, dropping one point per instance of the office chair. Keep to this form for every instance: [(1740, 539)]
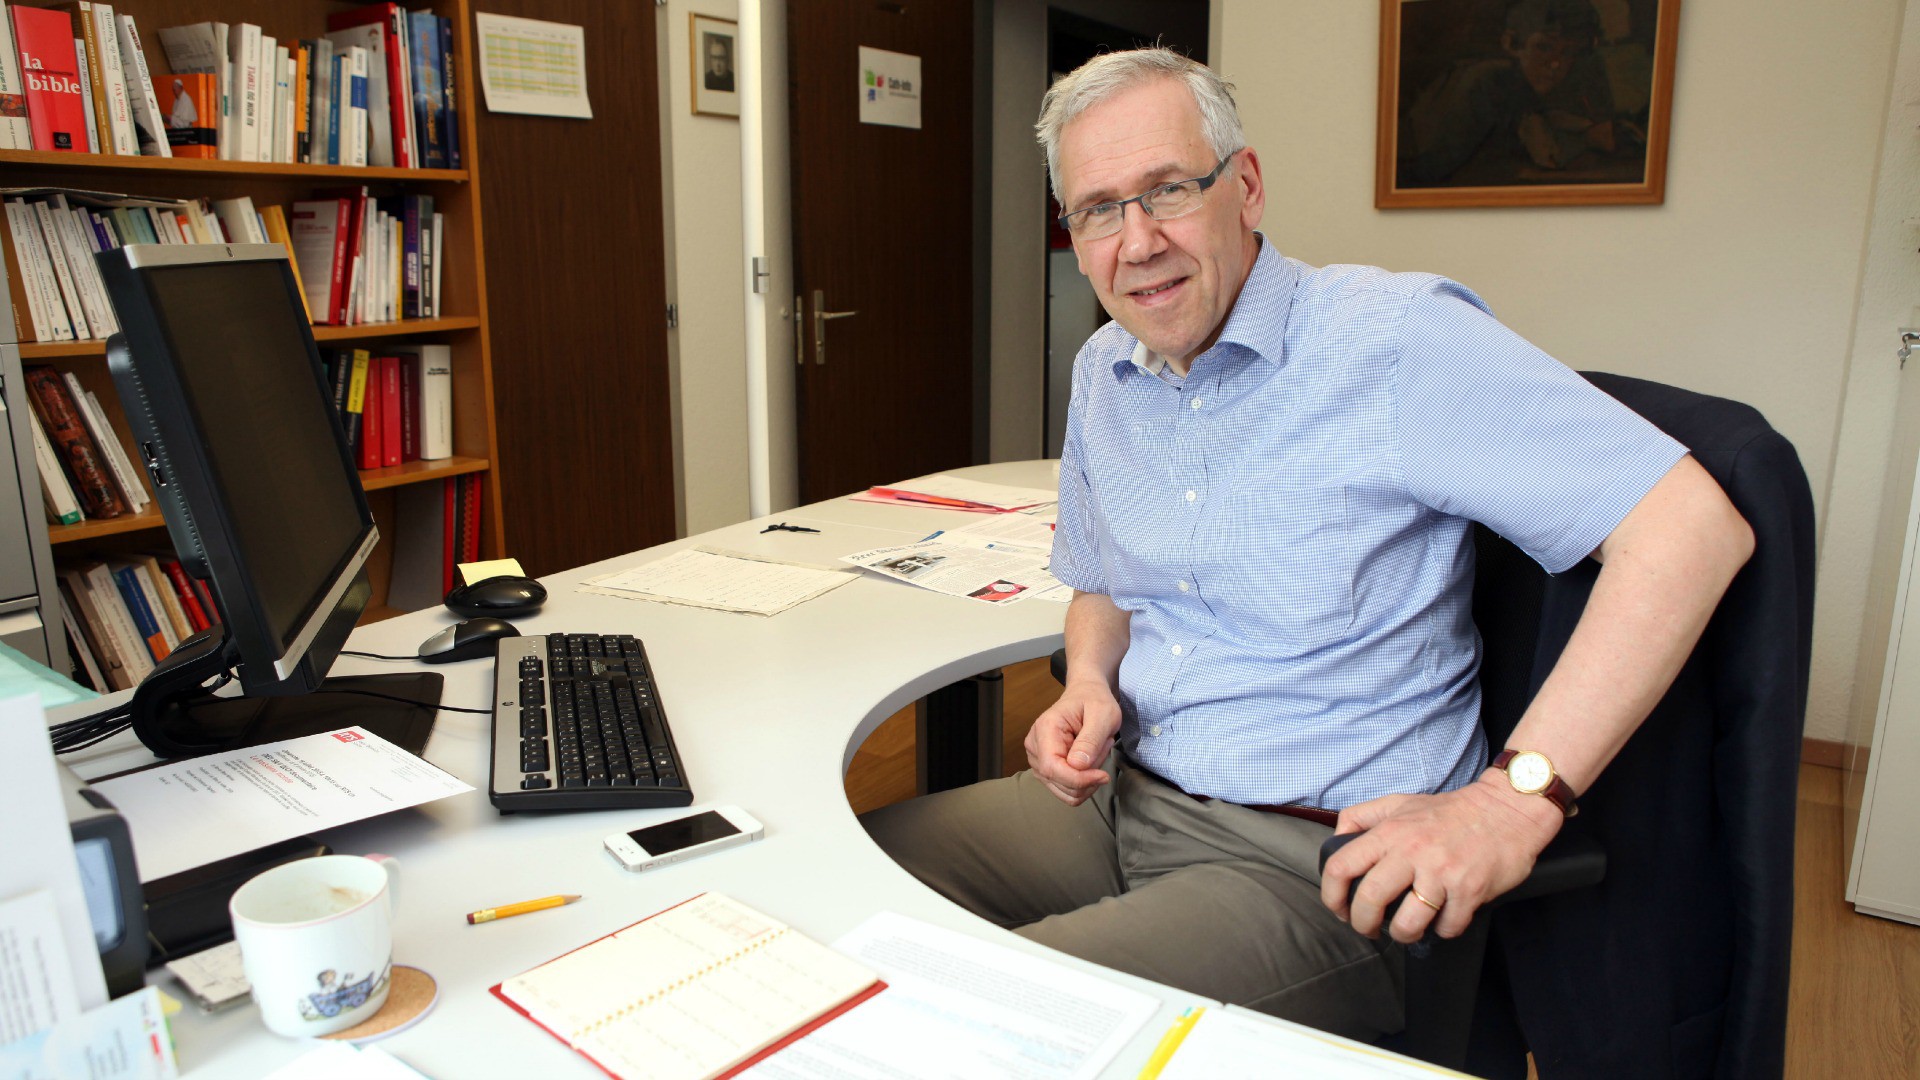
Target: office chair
[(1653, 937)]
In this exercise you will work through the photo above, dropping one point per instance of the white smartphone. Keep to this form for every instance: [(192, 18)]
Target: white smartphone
[(683, 838)]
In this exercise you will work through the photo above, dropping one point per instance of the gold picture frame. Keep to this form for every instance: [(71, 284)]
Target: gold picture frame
[(714, 68), (1524, 102)]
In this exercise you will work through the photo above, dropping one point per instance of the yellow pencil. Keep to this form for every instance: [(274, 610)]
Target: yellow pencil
[(509, 910)]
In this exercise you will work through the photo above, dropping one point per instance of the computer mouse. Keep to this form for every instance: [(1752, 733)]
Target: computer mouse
[(505, 596), (466, 640)]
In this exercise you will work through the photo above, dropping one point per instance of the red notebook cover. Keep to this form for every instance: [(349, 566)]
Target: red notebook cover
[(390, 420), (50, 68), (791, 1037)]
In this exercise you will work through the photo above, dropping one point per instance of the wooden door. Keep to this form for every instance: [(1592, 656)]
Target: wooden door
[(883, 228), (576, 295)]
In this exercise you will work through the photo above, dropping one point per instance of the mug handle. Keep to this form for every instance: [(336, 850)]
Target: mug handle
[(392, 866)]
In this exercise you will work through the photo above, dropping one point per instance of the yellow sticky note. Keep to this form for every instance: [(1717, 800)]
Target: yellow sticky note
[(480, 571)]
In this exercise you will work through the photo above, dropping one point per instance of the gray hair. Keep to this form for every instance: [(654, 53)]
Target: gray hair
[(1104, 76)]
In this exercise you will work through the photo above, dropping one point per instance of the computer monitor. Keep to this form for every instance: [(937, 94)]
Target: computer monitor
[(224, 392)]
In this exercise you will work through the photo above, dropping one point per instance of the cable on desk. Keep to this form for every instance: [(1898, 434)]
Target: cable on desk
[(378, 656), (407, 701)]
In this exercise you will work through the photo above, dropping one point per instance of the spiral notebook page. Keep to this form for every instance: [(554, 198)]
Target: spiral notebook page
[(688, 993)]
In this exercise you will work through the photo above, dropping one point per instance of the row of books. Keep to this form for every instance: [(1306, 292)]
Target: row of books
[(84, 470), (376, 89), (127, 613), (396, 406), (358, 259)]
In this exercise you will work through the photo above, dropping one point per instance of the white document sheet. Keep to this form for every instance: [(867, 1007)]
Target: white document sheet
[(1230, 1044), (723, 580), (36, 979), (194, 812), (336, 1060), (532, 67), (959, 1008), (998, 575), (1028, 531), (125, 1039), (39, 849)]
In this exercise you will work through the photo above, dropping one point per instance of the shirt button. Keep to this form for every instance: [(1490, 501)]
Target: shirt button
[(1154, 731), (1177, 650), (1184, 586), (1191, 495), (1196, 403)]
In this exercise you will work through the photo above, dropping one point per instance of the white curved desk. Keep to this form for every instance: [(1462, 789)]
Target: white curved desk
[(767, 713)]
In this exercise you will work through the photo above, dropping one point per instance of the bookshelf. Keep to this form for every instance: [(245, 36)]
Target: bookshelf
[(463, 327)]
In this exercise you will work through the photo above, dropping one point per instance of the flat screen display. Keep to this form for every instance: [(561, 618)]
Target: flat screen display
[(671, 836), (249, 379)]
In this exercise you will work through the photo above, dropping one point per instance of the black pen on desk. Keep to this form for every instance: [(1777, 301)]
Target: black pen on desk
[(784, 527)]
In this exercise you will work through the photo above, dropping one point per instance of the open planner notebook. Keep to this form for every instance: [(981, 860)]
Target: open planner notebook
[(694, 992)]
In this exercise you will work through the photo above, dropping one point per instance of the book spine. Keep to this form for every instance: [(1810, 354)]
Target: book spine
[(409, 406), (88, 52), (85, 667), (118, 620), (160, 592), (16, 132), (62, 270), (303, 102), (391, 424), (429, 101), (118, 467), (50, 71), (63, 506), (433, 283), (372, 427), (183, 590), (145, 624), (34, 251), (29, 316), (355, 415), (68, 434), (86, 277), (113, 664), (113, 77), (149, 123), (436, 402), (449, 532), (452, 125), (205, 593)]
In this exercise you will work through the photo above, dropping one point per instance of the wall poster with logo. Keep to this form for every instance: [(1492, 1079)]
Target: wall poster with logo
[(889, 88)]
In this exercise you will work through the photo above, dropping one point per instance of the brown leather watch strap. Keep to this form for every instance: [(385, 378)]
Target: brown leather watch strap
[(1558, 791)]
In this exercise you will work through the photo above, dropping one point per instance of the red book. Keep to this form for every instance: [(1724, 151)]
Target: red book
[(371, 427), (398, 102), (68, 434), (206, 601), (182, 588), (410, 407), (390, 421), (470, 552), (50, 68)]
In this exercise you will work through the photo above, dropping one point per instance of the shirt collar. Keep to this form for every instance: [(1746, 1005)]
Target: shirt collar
[(1258, 321)]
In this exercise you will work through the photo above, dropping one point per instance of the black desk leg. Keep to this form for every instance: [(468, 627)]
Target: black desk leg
[(957, 733)]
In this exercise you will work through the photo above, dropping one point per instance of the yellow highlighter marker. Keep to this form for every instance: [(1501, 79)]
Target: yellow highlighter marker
[(525, 906), (1170, 1042)]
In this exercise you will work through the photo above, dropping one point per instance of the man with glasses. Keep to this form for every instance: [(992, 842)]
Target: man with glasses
[(1266, 495)]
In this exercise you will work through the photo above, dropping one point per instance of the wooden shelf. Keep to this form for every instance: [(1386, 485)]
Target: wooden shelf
[(413, 472), (49, 350), (57, 159)]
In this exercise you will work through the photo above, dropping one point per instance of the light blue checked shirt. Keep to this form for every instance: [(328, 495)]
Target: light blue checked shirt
[(1289, 525)]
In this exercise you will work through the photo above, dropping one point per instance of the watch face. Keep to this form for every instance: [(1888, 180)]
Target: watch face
[(1530, 772)]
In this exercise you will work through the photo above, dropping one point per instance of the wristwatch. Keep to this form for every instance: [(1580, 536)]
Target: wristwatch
[(1531, 773)]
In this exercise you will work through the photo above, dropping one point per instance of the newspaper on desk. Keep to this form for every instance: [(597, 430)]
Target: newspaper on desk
[(1001, 560), (723, 581)]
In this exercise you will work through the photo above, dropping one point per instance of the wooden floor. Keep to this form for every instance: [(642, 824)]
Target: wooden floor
[(1854, 1005)]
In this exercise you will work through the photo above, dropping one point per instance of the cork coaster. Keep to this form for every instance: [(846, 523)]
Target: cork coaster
[(410, 996)]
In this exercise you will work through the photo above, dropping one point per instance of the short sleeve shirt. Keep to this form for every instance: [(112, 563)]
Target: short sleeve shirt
[(1289, 525)]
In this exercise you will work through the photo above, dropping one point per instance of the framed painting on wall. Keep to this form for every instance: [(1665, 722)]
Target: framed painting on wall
[(715, 44), (1524, 102)]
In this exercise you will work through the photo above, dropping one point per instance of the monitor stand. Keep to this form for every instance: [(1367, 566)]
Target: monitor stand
[(176, 717)]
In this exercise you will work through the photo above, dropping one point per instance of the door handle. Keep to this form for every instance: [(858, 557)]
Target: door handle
[(820, 317), (799, 331)]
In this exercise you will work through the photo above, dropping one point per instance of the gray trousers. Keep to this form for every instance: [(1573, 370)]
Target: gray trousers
[(1216, 899)]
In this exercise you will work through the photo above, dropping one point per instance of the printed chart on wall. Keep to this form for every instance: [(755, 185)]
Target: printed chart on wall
[(533, 67), (889, 88)]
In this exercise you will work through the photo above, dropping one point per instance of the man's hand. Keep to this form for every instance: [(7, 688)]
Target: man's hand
[(1457, 850), (1068, 743)]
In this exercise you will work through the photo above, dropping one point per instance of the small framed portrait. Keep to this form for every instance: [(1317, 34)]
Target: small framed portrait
[(716, 55), (1524, 102)]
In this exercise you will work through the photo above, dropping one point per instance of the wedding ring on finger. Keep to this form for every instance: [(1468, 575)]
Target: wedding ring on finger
[(1422, 899)]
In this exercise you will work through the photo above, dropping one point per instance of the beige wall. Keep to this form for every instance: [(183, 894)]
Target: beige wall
[(700, 160), (1743, 284)]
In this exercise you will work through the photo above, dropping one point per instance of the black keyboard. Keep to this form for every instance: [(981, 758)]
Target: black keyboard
[(577, 725)]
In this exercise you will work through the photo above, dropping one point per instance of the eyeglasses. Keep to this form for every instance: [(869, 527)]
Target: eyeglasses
[(1163, 203)]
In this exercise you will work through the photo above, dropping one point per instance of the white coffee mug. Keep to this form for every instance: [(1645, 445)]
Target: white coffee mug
[(316, 939)]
